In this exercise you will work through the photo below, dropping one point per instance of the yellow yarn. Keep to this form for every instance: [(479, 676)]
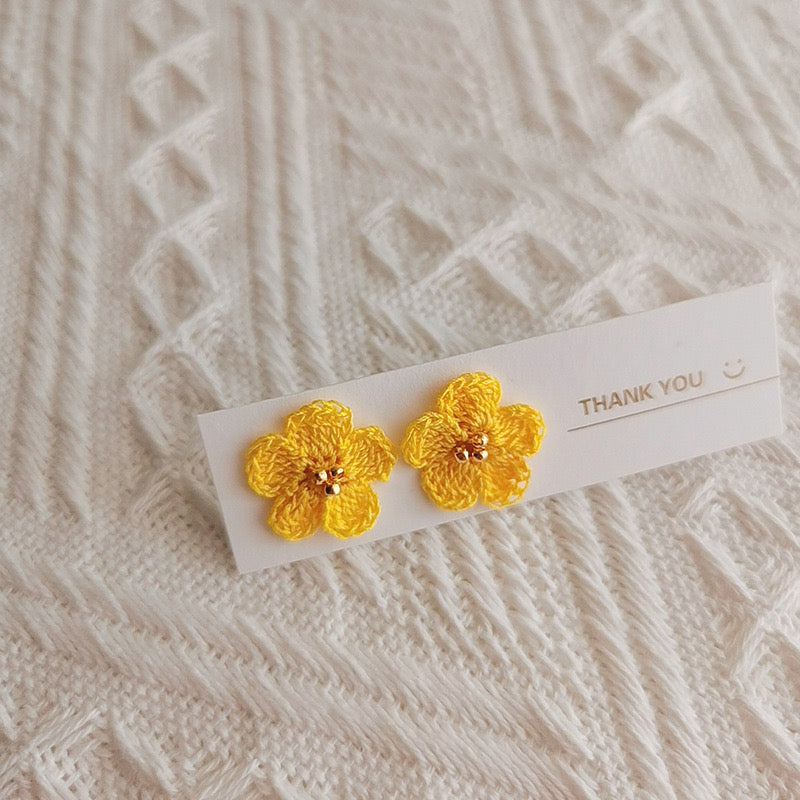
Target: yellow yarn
[(319, 471), (472, 447)]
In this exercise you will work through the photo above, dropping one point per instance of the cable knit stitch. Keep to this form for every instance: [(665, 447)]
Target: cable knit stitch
[(203, 204)]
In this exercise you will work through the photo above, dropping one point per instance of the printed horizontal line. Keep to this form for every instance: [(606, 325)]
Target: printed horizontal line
[(670, 405)]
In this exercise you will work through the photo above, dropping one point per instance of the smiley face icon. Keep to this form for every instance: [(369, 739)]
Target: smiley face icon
[(733, 369)]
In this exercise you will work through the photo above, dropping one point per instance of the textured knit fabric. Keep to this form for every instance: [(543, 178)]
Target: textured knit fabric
[(207, 204)]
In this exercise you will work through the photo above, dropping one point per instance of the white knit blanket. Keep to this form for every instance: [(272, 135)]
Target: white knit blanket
[(203, 204)]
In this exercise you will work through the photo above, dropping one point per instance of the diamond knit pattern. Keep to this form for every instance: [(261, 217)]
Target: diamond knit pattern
[(203, 204)]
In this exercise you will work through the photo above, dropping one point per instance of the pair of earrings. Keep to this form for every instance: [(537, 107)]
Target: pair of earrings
[(319, 471)]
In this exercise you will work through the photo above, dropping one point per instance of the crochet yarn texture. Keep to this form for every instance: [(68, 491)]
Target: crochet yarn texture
[(203, 204), (319, 472), (470, 447)]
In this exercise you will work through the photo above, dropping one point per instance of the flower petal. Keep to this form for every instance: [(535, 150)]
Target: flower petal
[(430, 438), (451, 484), (317, 431), (367, 455), (271, 465), (518, 429), (352, 511), (297, 514), (504, 478), (472, 400)]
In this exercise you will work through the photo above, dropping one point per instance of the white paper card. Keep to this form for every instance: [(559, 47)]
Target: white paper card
[(617, 397)]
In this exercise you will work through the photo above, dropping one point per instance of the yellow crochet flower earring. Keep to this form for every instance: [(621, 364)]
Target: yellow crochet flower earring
[(471, 447), (319, 471)]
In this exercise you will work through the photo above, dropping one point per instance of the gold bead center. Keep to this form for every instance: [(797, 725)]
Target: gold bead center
[(329, 480), (472, 449)]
